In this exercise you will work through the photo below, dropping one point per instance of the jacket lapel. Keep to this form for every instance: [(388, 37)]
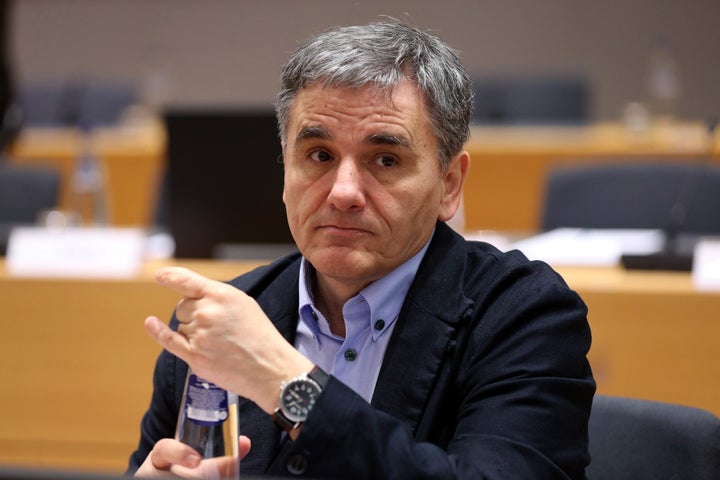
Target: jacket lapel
[(426, 331)]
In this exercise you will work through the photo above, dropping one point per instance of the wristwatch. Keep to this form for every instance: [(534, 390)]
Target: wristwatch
[(297, 398)]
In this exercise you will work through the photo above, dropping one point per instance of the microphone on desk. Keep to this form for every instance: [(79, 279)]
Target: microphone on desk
[(671, 257)]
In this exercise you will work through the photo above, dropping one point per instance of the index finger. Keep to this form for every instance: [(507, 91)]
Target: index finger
[(184, 281)]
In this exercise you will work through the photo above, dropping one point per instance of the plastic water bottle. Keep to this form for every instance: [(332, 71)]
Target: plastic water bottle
[(208, 423), (88, 184)]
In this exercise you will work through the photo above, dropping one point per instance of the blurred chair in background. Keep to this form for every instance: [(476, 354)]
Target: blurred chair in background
[(73, 103), (102, 104), (632, 439), (25, 192), (678, 197), (517, 100)]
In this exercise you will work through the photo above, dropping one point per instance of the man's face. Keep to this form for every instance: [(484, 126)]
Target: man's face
[(363, 186)]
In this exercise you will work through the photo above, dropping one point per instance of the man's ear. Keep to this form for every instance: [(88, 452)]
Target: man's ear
[(453, 182)]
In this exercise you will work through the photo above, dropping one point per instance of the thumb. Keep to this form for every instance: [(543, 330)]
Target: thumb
[(244, 445)]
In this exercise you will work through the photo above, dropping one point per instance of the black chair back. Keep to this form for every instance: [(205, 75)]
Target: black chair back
[(24, 193), (683, 197), (517, 100), (632, 439)]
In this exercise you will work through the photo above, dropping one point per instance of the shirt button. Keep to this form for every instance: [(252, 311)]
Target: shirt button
[(350, 354), (380, 324), (297, 464)]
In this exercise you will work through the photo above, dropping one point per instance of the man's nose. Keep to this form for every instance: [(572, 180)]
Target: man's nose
[(347, 189)]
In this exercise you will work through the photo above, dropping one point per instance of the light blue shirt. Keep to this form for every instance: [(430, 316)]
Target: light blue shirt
[(369, 321)]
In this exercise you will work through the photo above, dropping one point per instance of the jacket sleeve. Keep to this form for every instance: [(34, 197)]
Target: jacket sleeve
[(517, 398)]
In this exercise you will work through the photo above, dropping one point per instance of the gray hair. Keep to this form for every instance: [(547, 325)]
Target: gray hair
[(382, 55)]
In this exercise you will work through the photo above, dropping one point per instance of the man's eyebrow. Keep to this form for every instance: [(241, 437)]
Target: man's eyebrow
[(388, 139), (317, 132)]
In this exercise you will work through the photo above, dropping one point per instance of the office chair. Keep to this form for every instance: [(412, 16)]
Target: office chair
[(24, 193), (632, 439), (73, 103), (682, 197), (530, 100), (102, 104)]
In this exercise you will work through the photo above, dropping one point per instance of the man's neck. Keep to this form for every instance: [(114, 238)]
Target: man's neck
[(329, 296)]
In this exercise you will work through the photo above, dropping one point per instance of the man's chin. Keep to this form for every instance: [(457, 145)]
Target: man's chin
[(337, 259)]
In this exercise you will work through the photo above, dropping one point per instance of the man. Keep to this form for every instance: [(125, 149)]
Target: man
[(433, 357)]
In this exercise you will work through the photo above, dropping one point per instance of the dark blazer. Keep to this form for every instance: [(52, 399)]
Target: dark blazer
[(485, 377)]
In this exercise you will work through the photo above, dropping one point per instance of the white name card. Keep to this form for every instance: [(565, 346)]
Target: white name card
[(589, 247), (95, 252), (706, 265)]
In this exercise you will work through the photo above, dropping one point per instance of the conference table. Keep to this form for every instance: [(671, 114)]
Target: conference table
[(76, 363)]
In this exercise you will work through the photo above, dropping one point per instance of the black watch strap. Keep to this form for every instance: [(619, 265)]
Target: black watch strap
[(282, 421), (319, 375)]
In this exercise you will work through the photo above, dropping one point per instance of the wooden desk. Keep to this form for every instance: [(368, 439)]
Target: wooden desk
[(76, 363), (654, 335), (132, 156), (509, 165)]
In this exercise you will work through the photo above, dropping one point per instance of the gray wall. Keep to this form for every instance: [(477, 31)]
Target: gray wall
[(230, 52)]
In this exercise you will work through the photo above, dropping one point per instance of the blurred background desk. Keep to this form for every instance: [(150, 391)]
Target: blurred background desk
[(76, 363), (132, 157), (654, 335), (509, 165)]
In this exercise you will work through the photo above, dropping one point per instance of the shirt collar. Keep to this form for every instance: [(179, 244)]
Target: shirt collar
[(384, 297)]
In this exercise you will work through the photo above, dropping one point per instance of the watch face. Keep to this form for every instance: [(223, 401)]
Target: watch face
[(297, 399)]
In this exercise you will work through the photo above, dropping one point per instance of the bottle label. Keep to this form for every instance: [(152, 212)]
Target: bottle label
[(206, 404)]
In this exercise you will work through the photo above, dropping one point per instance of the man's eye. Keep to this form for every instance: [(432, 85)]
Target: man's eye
[(386, 161), (321, 156)]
